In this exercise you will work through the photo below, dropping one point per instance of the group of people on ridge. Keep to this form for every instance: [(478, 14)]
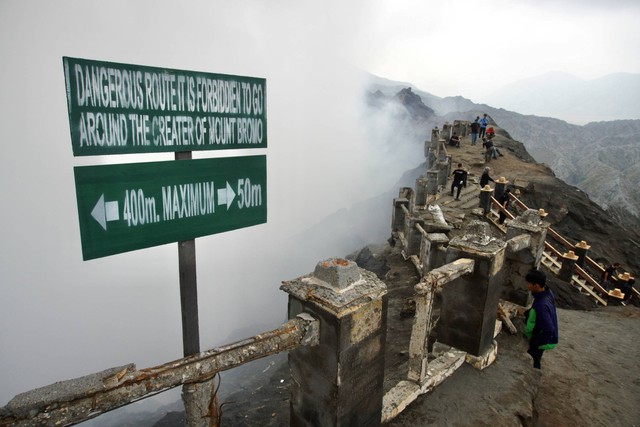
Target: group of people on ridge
[(480, 129)]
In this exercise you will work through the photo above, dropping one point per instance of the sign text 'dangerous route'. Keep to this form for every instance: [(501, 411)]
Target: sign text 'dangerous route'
[(122, 108)]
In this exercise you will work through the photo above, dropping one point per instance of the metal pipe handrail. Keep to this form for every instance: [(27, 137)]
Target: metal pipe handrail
[(67, 402)]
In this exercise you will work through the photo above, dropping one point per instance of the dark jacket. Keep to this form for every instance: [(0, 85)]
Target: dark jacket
[(484, 179), (459, 178), (542, 321)]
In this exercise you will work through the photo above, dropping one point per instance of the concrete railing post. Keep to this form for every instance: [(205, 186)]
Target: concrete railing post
[(443, 168), (469, 303), (442, 150), (433, 251), (421, 191), (501, 186), (485, 199), (432, 182), (568, 265), (432, 159), (397, 220), (435, 136), (582, 249), (340, 381), (531, 222), (526, 235), (446, 131), (414, 236)]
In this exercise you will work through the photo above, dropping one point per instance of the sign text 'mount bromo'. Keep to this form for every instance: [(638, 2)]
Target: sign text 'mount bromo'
[(125, 207), (121, 108)]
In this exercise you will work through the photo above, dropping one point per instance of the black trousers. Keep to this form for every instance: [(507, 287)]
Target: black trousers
[(536, 353), (453, 185)]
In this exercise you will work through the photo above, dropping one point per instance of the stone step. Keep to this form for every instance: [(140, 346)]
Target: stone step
[(467, 193)]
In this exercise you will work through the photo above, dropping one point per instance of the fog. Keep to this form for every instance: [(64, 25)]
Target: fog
[(62, 317)]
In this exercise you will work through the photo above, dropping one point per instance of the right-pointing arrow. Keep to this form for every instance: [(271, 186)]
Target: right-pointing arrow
[(226, 196), (230, 195)]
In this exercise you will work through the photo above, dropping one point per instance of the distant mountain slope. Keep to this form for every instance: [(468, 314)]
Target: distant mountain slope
[(600, 158), (561, 95)]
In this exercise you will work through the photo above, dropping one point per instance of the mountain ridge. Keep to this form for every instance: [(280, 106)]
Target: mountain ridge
[(601, 158)]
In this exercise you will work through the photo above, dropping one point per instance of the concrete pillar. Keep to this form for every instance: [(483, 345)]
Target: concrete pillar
[(340, 381), (442, 150), (446, 132), (442, 167), (433, 251), (414, 236), (397, 219), (582, 249), (568, 263), (485, 198), (432, 182), (421, 191), (530, 222), (460, 127), (469, 303), (519, 261), (449, 165), (500, 186), (432, 158), (432, 144), (435, 135)]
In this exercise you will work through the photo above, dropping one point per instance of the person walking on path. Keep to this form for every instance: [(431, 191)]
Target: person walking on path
[(504, 202), (459, 180), (609, 273), (475, 127), (485, 178), (541, 326), (483, 125)]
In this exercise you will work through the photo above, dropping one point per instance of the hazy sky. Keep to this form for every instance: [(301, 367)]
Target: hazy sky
[(61, 317), (471, 48)]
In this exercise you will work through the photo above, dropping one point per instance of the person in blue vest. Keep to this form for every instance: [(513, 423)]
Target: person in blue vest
[(483, 126), (541, 326)]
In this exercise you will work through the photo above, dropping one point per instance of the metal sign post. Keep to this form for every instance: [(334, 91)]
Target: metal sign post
[(188, 289)]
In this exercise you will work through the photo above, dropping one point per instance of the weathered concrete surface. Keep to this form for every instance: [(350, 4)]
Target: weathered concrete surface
[(339, 382), (469, 304), (403, 394), (65, 391)]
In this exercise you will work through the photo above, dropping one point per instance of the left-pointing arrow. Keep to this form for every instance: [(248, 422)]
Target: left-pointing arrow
[(105, 211)]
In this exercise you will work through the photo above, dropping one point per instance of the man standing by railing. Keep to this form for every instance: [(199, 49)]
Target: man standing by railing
[(541, 320)]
